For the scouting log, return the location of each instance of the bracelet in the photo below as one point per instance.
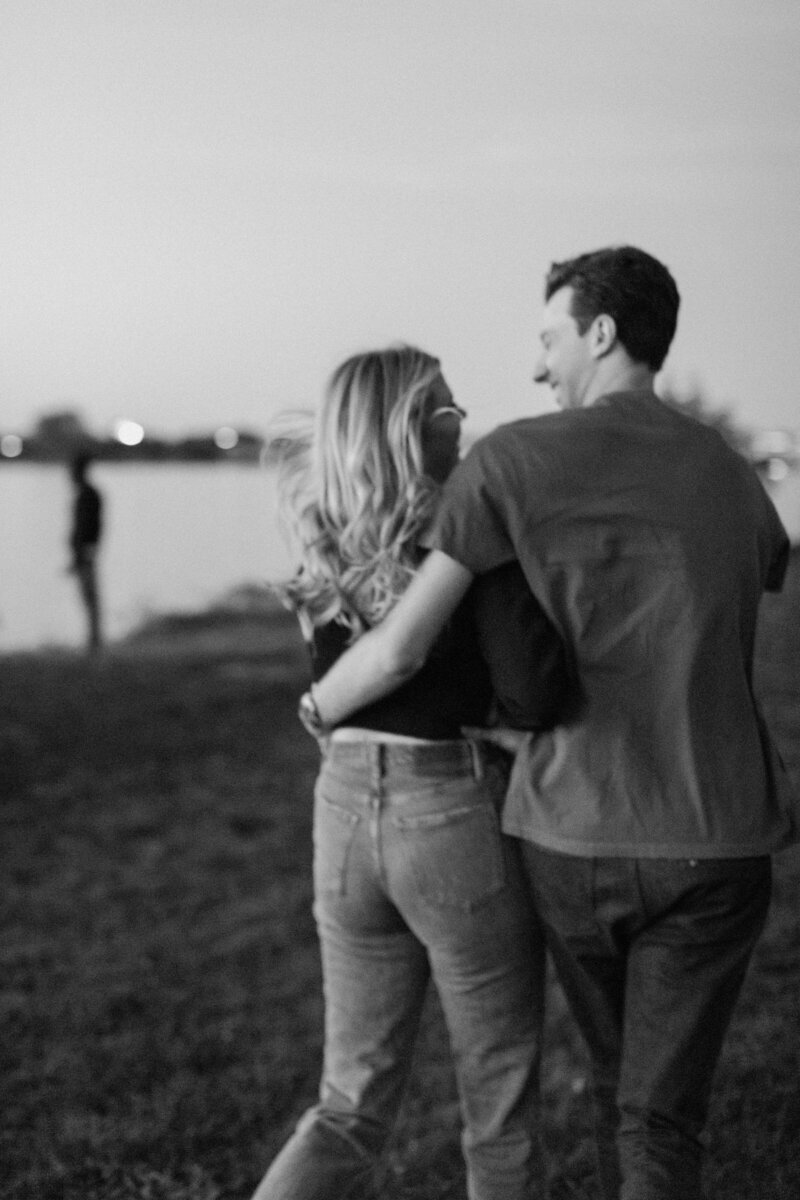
(309, 714)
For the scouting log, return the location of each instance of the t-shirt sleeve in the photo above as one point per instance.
(470, 525)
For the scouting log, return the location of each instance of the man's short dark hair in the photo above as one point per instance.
(632, 287)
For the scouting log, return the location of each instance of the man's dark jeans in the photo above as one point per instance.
(651, 954)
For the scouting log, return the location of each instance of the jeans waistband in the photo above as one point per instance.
(442, 758)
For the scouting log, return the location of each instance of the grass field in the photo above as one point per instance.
(160, 994)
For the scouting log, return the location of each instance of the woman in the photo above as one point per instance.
(412, 876)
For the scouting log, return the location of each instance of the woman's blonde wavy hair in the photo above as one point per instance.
(353, 493)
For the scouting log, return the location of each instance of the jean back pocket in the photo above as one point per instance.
(455, 856)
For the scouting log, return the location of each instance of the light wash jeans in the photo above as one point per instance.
(651, 953)
(414, 879)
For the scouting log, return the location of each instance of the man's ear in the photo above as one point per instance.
(602, 335)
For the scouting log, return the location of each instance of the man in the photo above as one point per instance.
(87, 511)
(649, 815)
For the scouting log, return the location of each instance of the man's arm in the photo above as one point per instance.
(527, 659)
(396, 649)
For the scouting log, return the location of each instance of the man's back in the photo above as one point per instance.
(648, 542)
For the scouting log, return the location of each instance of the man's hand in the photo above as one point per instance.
(498, 735)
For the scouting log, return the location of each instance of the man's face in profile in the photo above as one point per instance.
(565, 361)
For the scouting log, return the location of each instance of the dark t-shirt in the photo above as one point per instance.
(86, 517)
(498, 660)
(648, 543)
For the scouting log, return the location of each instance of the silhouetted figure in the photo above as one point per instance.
(87, 523)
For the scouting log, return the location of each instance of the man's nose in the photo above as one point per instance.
(540, 371)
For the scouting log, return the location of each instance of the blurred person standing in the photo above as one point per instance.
(84, 542)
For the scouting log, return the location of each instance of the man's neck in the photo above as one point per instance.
(618, 376)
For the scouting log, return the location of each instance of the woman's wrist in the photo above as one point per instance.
(309, 714)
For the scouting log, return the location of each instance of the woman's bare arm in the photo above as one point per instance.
(397, 648)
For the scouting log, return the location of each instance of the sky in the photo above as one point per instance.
(207, 204)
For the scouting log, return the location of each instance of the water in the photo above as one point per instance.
(177, 536)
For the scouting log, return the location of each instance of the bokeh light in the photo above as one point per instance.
(130, 433)
(10, 445)
(226, 437)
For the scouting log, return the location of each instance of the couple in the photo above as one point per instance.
(607, 559)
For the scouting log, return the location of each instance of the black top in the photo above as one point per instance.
(498, 660)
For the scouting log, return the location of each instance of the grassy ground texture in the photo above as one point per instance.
(159, 977)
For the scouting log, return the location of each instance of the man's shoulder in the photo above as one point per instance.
(529, 426)
(513, 436)
(541, 441)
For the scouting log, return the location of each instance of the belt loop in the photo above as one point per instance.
(477, 759)
(374, 756)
